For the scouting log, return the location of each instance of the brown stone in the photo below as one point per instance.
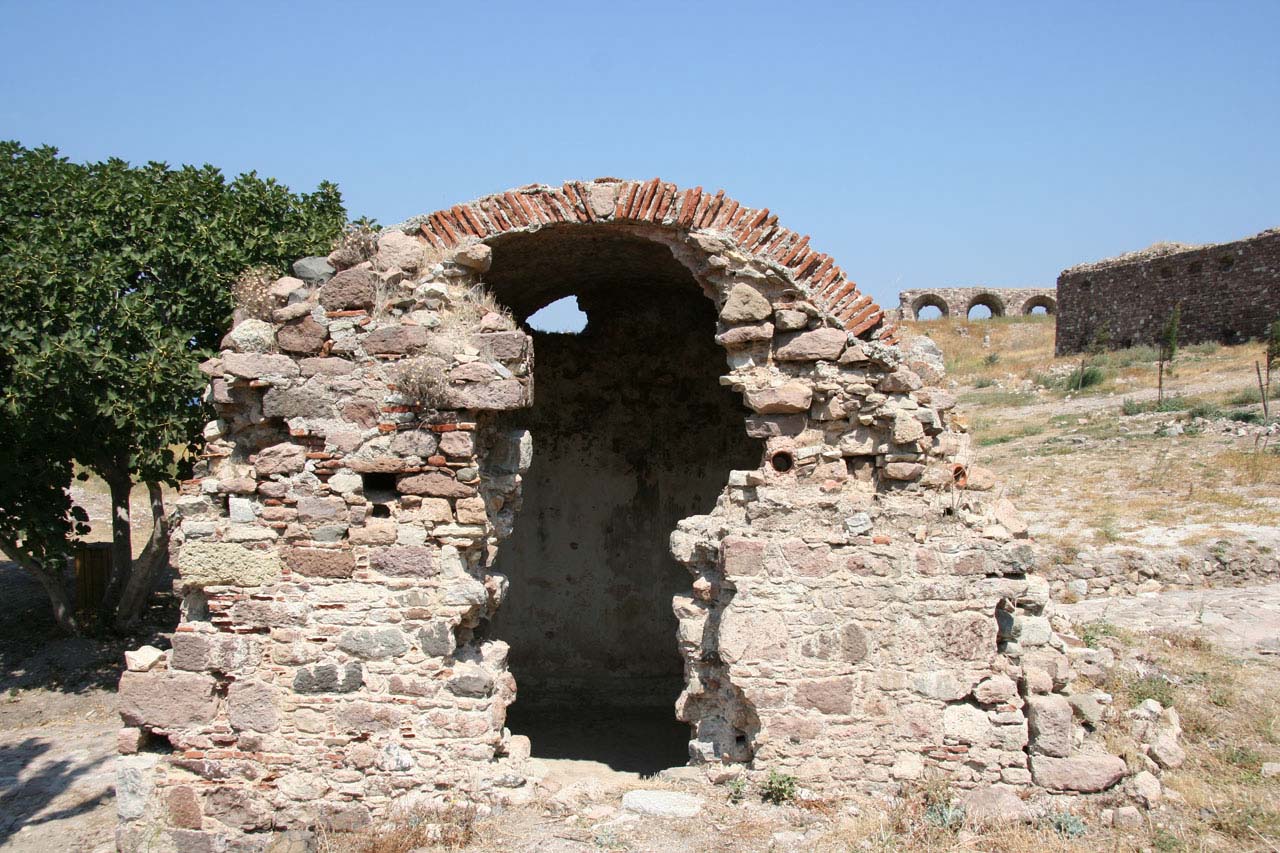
(504, 346)
(326, 366)
(745, 304)
(435, 484)
(902, 471)
(394, 340)
(791, 397)
(1049, 725)
(1086, 774)
(184, 807)
(284, 458)
(302, 336)
(744, 335)
(165, 699)
(406, 561)
(743, 557)
(251, 705)
(502, 395)
(350, 289)
(828, 695)
(320, 562)
(819, 344)
(252, 365)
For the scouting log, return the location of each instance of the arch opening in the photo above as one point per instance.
(984, 306)
(631, 432)
(929, 307)
(1041, 305)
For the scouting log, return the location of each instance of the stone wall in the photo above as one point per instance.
(859, 609)
(957, 301)
(1229, 292)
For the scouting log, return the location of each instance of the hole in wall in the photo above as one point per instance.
(930, 312)
(1166, 272)
(563, 316)
(782, 461)
(631, 432)
(381, 511)
(378, 489)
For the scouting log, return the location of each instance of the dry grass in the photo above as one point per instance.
(357, 243)
(424, 379)
(1230, 710)
(1012, 350)
(251, 292)
(451, 826)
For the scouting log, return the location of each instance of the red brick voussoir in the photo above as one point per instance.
(754, 232)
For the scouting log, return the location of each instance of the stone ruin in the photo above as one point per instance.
(731, 499)
(959, 301)
(1227, 292)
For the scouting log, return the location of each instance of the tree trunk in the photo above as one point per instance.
(1160, 386)
(64, 611)
(155, 555)
(121, 484)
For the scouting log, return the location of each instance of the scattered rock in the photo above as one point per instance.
(662, 803)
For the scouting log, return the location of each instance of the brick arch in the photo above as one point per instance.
(755, 231)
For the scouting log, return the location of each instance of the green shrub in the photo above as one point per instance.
(1244, 416)
(1131, 407)
(1246, 397)
(738, 790)
(991, 359)
(983, 382)
(1085, 378)
(779, 788)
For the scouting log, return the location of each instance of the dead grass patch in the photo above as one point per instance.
(450, 826)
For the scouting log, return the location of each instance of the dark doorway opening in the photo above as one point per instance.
(631, 433)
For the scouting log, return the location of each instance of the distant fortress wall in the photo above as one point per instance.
(1228, 292)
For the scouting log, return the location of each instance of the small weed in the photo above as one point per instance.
(948, 815)
(1247, 822)
(991, 359)
(983, 382)
(1243, 757)
(1131, 407)
(738, 790)
(1165, 841)
(1091, 633)
(1155, 687)
(1066, 824)
(1208, 411)
(1246, 397)
(779, 788)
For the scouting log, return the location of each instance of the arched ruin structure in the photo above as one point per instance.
(958, 301)
(857, 608)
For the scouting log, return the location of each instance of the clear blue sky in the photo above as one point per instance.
(922, 144)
